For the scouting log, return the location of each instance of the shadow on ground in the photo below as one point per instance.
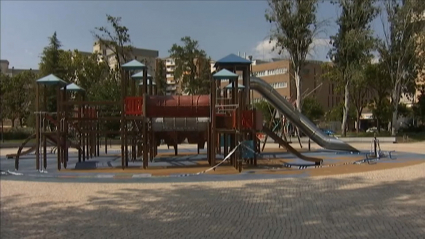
(294, 208)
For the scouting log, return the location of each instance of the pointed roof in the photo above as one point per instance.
(239, 86)
(225, 74)
(51, 80)
(133, 65)
(73, 87)
(149, 82)
(139, 76)
(233, 59)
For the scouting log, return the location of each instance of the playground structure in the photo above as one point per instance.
(224, 119)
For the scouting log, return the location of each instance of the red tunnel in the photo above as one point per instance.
(178, 106)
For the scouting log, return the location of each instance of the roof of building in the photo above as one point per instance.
(138, 51)
(233, 59)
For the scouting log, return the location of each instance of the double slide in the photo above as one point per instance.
(299, 120)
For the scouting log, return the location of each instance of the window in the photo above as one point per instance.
(279, 85)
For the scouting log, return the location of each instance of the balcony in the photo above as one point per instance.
(171, 82)
(170, 63)
(171, 88)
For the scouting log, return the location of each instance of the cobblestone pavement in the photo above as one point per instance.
(379, 204)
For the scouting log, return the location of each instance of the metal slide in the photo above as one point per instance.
(288, 147)
(302, 122)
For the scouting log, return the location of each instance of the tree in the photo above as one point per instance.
(191, 71)
(87, 70)
(51, 64)
(419, 107)
(18, 96)
(377, 82)
(312, 109)
(352, 45)
(4, 85)
(117, 40)
(336, 113)
(294, 26)
(381, 112)
(265, 108)
(358, 94)
(398, 49)
(161, 77)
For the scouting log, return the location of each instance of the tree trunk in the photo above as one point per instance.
(345, 109)
(13, 122)
(298, 85)
(395, 99)
(394, 122)
(378, 125)
(21, 122)
(358, 122)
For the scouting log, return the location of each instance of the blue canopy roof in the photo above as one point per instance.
(239, 86)
(133, 65)
(73, 87)
(139, 76)
(233, 59)
(51, 80)
(225, 74)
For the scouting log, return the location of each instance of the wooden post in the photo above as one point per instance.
(145, 119)
(37, 127)
(123, 87)
(58, 131)
(213, 123)
(65, 127)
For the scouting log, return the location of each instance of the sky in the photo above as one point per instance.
(220, 27)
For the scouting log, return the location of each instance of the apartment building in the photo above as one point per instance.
(174, 85)
(146, 56)
(279, 74)
(4, 68)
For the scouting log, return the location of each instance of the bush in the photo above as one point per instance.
(18, 133)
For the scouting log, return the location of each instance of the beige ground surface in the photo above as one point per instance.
(379, 204)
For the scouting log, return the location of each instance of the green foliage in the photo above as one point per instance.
(161, 77)
(312, 109)
(4, 81)
(419, 107)
(193, 68)
(352, 46)
(294, 26)
(265, 108)
(50, 63)
(18, 133)
(18, 95)
(381, 111)
(336, 113)
(117, 40)
(398, 48)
